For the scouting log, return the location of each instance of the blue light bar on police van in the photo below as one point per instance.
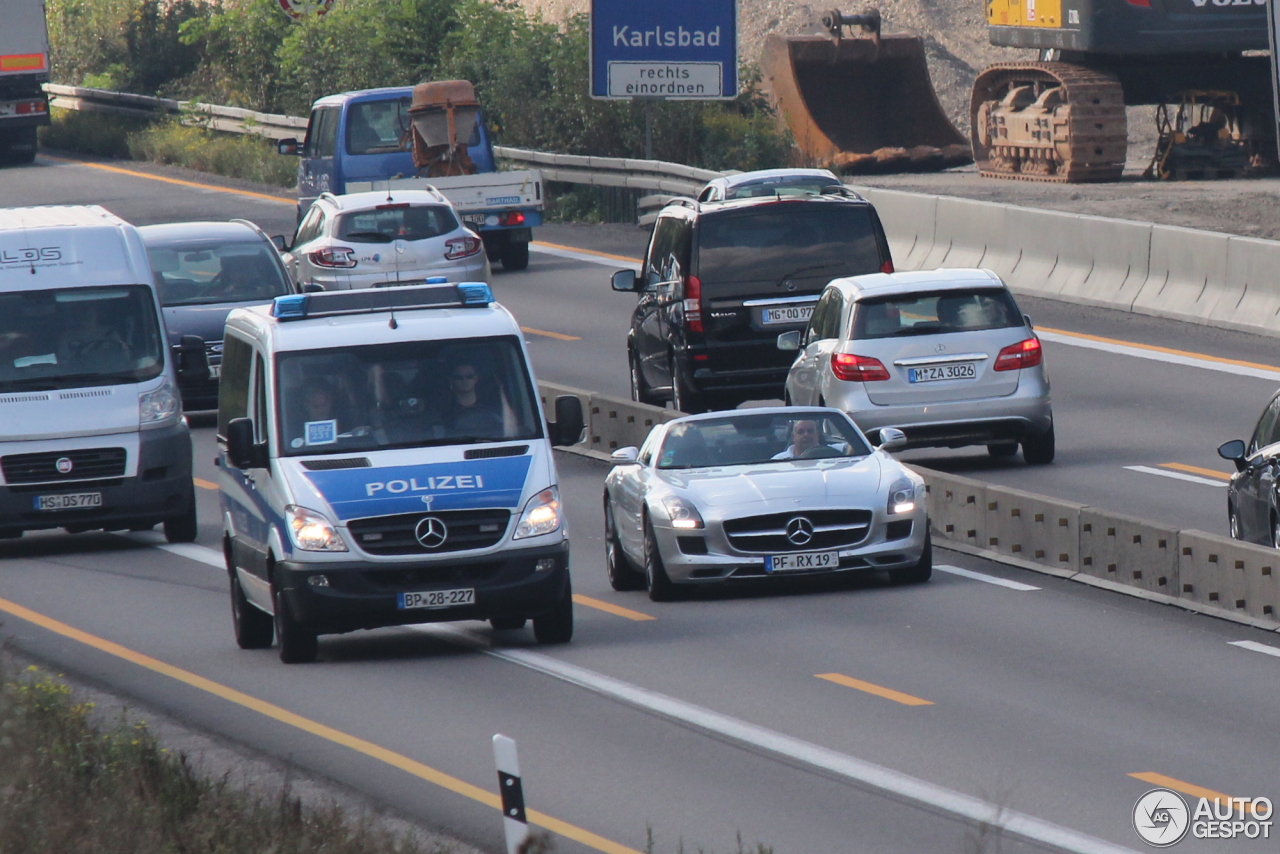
(370, 300)
(437, 280)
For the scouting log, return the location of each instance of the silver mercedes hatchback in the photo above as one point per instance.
(945, 356)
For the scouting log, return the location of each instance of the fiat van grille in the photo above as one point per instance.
(767, 534)
(463, 530)
(84, 464)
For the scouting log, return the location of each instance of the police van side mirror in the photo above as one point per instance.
(625, 280)
(242, 453)
(569, 423)
(289, 145)
(193, 361)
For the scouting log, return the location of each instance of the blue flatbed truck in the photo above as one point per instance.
(360, 141)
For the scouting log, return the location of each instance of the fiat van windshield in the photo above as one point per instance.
(404, 395)
(75, 337)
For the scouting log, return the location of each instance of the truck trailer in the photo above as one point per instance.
(24, 68)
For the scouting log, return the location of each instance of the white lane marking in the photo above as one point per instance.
(1157, 356)
(1254, 646)
(191, 551)
(858, 770)
(978, 576)
(583, 256)
(1177, 475)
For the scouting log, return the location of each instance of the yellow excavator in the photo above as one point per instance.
(1063, 119)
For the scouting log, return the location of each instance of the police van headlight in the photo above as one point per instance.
(163, 404)
(541, 515)
(312, 532)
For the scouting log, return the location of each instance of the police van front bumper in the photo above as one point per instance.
(331, 598)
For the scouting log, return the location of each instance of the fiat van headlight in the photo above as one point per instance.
(312, 531)
(162, 404)
(541, 515)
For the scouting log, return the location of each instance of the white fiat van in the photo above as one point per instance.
(385, 460)
(91, 428)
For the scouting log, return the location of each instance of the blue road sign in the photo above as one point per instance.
(666, 49)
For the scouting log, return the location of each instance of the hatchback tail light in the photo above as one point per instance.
(338, 256)
(462, 247)
(693, 303)
(851, 368)
(1024, 354)
(887, 266)
(512, 218)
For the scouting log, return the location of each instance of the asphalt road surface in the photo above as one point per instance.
(812, 718)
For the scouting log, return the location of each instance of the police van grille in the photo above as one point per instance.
(394, 535)
(86, 464)
(330, 465)
(767, 534)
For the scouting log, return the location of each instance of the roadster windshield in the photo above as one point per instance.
(751, 439)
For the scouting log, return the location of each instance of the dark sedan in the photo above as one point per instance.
(1253, 497)
(202, 271)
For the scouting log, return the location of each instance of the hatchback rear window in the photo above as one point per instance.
(772, 243)
(935, 312)
(396, 222)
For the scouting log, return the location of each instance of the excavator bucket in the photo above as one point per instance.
(862, 105)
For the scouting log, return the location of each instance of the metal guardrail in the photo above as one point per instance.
(651, 175)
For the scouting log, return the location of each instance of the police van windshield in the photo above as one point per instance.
(76, 337)
(404, 395)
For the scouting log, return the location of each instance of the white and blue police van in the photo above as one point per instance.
(385, 460)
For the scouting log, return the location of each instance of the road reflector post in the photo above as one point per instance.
(514, 822)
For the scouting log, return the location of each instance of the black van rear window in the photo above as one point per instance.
(774, 242)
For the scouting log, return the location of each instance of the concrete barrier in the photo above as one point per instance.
(957, 507)
(963, 231)
(616, 423)
(1129, 551)
(1035, 242)
(1252, 293)
(1223, 573)
(1033, 527)
(1109, 263)
(1188, 274)
(913, 217)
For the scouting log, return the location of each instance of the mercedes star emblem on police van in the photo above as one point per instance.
(431, 532)
(800, 531)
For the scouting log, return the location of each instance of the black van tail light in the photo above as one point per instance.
(1024, 354)
(887, 266)
(693, 303)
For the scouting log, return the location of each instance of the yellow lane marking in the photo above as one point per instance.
(368, 748)
(563, 248)
(610, 608)
(879, 691)
(1179, 786)
(167, 180)
(1220, 475)
(1167, 350)
(204, 484)
(559, 336)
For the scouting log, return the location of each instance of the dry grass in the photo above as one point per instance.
(69, 785)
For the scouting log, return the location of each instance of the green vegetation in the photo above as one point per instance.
(530, 75)
(69, 785)
(244, 156)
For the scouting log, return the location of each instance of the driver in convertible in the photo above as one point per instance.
(804, 438)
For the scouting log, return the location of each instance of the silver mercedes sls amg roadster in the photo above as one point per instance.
(762, 493)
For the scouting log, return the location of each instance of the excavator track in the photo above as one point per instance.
(1048, 121)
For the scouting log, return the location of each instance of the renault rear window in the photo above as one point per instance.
(776, 242)
(918, 313)
(396, 222)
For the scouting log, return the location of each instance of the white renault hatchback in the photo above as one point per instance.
(367, 240)
(945, 356)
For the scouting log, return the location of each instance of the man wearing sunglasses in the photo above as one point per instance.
(805, 436)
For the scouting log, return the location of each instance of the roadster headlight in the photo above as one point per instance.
(541, 515)
(312, 531)
(902, 496)
(681, 512)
